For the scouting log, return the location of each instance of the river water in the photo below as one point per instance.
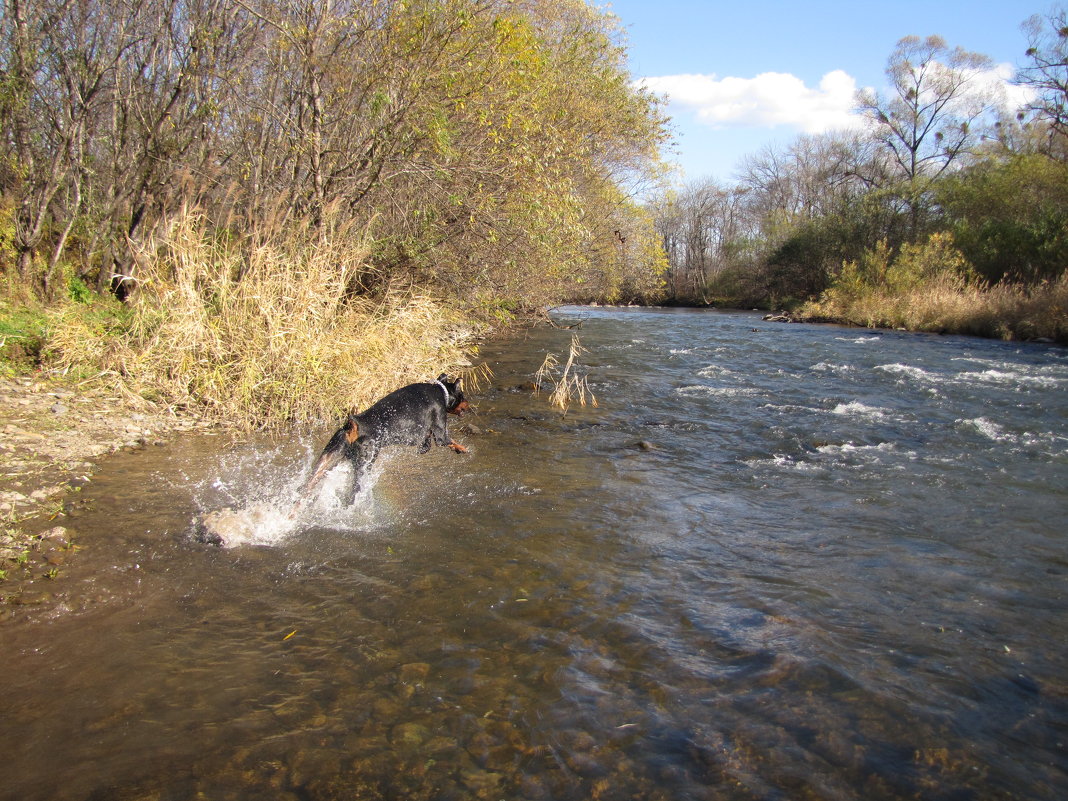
(773, 562)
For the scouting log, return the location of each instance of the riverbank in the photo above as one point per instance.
(944, 302)
(109, 376)
(54, 434)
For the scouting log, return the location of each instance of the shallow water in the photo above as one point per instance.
(773, 562)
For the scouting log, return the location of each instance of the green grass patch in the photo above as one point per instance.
(23, 338)
(28, 331)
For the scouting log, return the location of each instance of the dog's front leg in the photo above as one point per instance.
(440, 435)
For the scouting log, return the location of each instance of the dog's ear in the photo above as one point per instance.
(352, 431)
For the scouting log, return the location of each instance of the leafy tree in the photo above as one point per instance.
(489, 149)
(1009, 216)
(706, 229)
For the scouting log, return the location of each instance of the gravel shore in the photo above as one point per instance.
(53, 434)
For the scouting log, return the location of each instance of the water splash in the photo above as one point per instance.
(254, 498)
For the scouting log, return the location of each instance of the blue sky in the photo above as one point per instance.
(764, 71)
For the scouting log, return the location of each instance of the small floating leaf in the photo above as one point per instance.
(289, 635)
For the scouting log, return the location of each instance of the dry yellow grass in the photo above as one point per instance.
(277, 334)
(930, 286)
(945, 305)
(568, 384)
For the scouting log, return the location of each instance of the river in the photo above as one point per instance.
(773, 562)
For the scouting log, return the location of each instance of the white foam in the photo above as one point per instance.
(713, 371)
(1049, 443)
(988, 428)
(781, 461)
(908, 371)
(859, 340)
(792, 408)
(849, 448)
(848, 455)
(256, 524)
(885, 456)
(1046, 368)
(729, 392)
(1004, 377)
(857, 409)
(252, 497)
(838, 369)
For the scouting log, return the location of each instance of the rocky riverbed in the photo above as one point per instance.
(53, 433)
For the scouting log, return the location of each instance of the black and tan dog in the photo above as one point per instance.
(411, 415)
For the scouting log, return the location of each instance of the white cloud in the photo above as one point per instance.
(983, 89)
(768, 100)
(774, 99)
(999, 82)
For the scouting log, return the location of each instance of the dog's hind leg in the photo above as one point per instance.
(336, 450)
(363, 457)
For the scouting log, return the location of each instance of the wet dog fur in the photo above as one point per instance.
(415, 415)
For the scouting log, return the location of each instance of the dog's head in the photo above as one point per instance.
(456, 403)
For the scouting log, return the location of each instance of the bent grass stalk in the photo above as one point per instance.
(568, 385)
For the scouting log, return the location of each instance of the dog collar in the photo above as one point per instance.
(444, 389)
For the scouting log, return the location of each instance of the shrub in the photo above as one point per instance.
(932, 287)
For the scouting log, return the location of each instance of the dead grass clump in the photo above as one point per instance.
(941, 305)
(568, 384)
(930, 286)
(276, 334)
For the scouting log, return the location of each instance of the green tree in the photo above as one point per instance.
(1009, 216)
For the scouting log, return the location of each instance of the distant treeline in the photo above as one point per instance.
(487, 151)
(943, 188)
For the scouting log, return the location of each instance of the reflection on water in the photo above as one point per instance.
(775, 562)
